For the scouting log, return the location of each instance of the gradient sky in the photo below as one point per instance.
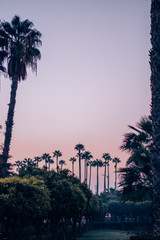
(92, 80)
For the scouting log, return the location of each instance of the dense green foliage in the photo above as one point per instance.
(128, 211)
(58, 198)
(22, 201)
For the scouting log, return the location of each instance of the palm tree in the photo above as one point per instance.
(79, 147)
(19, 165)
(50, 161)
(20, 42)
(155, 106)
(97, 163)
(116, 161)
(73, 160)
(57, 154)
(62, 162)
(29, 162)
(136, 177)
(90, 167)
(37, 160)
(107, 158)
(45, 157)
(86, 156)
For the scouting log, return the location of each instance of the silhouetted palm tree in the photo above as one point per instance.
(86, 156)
(45, 157)
(97, 163)
(136, 177)
(37, 160)
(19, 165)
(29, 162)
(107, 158)
(50, 161)
(90, 172)
(116, 161)
(62, 162)
(73, 160)
(20, 41)
(79, 147)
(57, 154)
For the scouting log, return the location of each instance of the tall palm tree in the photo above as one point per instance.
(97, 163)
(73, 160)
(45, 157)
(155, 106)
(79, 147)
(90, 172)
(62, 162)
(50, 161)
(116, 161)
(86, 156)
(20, 41)
(37, 160)
(57, 154)
(107, 158)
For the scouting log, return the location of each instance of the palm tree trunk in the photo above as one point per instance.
(46, 163)
(73, 168)
(97, 180)
(9, 127)
(79, 166)
(155, 92)
(105, 177)
(87, 172)
(90, 177)
(115, 176)
(57, 163)
(108, 176)
(49, 163)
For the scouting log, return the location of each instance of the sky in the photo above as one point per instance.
(92, 81)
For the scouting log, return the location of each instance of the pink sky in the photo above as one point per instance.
(92, 80)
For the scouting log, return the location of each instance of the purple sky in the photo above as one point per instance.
(92, 80)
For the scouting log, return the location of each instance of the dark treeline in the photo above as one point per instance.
(55, 158)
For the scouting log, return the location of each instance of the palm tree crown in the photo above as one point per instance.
(45, 157)
(116, 161)
(62, 162)
(73, 160)
(136, 177)
(57, 154)
(107, 158)
(97, 163)
(86, 156)
(79, 147)
(37, 160)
